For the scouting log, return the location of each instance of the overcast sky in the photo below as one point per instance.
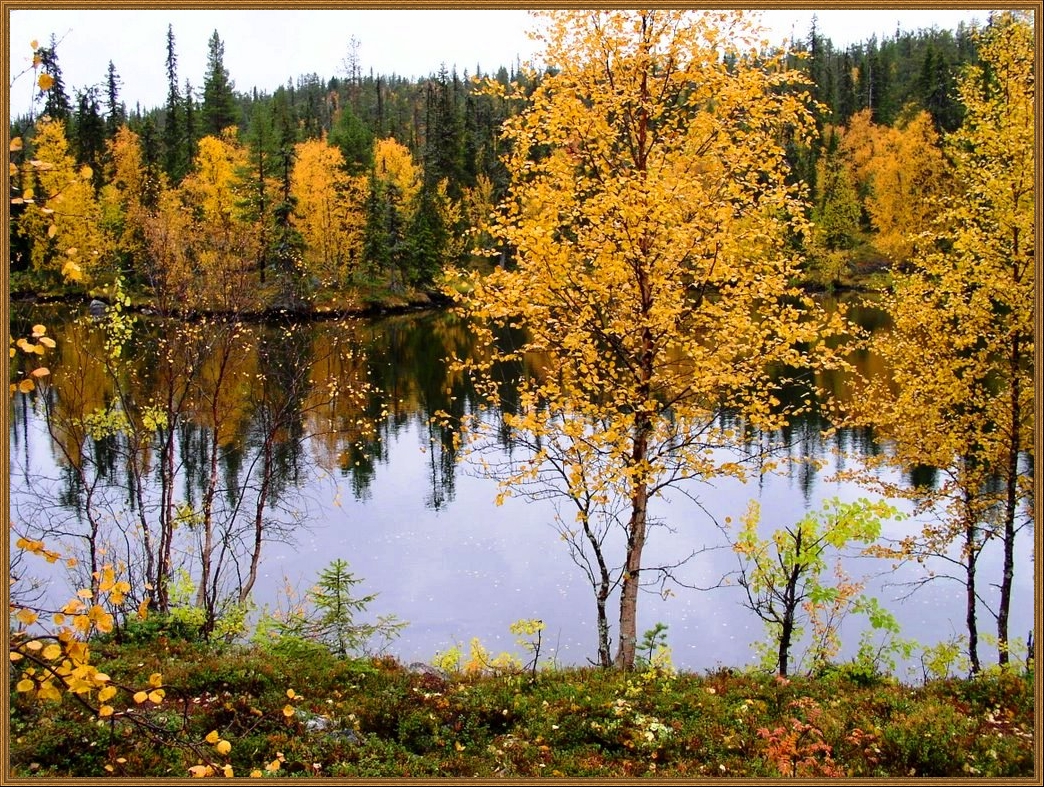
(264, 49)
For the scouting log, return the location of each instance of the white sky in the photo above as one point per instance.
(265, 48)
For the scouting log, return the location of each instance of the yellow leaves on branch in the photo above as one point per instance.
(56, 659)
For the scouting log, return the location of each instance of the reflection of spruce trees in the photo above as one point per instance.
(405, 358)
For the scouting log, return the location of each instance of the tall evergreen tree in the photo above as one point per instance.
(260, 139)
(174, 155)
(219, 100)
(89, 133)
(151, 161)
(56, 100)
(116, 113)
(287, 244)
(427, 238)
(354, 139)
(443, 148)
(191, 125)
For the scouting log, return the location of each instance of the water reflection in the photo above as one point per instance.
(274, 448)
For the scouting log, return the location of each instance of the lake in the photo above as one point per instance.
(341, 413)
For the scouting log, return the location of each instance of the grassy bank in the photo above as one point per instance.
(272, 712)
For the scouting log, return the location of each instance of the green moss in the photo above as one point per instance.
(373, 718)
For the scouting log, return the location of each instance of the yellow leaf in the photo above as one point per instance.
(199, 771)
(25, 685)
(52, 230)
(16, 144)
(34, 646)
(26, 386)
(107, 693)
(156, 680)
(52, 651)
(143, 609)
(34, 44)
(48, 342)
(86, 173)
(227, 771)
(102, 619)
(256, 774)
(84, 593)
(41, 371)
(272, 766)
(108, 579)
(140, 696)
(105, 710)
(288, 711)
(15, 656)
(72, 272)
(45, 81)
(291, 693)
(223, 747)
(12, 170)
(156, 696)
(212, 737)
(72, 251)
(26, 617)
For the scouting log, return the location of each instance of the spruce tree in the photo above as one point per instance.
(56, 101)
(116, 114)
(219, 101)
(191, 126)
(174, 156)
(89, 133)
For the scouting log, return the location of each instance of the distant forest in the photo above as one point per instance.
(376, 183)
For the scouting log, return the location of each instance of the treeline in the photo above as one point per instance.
(374, 184)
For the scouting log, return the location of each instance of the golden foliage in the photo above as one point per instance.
(328, 213)
(649, 213)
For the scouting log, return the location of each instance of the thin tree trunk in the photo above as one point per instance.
(629, 592)
(1010, 504)
(972, 619)
(602, 589)
(790, 603)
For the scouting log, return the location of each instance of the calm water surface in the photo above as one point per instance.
(370, 479)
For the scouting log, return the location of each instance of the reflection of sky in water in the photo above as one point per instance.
(472, 568)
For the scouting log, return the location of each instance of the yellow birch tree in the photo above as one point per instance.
(329, 210)
(909, 177)
(649, 215)
(959, 398)
(62, 218)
